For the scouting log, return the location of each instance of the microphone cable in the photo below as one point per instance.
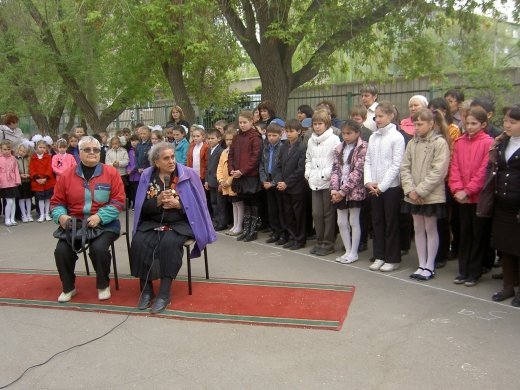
(159, 237)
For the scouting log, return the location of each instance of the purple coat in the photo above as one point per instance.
(353, 187)
(193, 198)
(131, 168)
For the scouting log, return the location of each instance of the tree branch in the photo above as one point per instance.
(348, 32)
(246, 36)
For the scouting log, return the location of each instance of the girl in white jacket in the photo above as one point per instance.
(382, 163)
(318, 169)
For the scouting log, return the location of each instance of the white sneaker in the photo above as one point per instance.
(376, 265)
(388, 267)
(30, 218)
(25, 219)
(65, 297)
(104, 293)
(48, 217)
(342, 259)
(350, 259)
(41, 219)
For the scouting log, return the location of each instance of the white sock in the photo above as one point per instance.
(13, 210)
(9, 203)
(432, 237)
(344, 230)
(420, 240)
(240, 216)
(356, 230)
(21, 204)
(41, 207)
(28, 206)
(47, 206)
(235, 218)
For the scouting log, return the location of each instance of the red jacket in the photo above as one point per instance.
(40, 169)
(203, 158)
(468, 164)
(245, 152)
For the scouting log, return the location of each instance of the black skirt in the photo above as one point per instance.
(428, 210)
(156, 254)
(11, 192)
(43, 195)
(506, 228)
(349, 204)
(25, 190)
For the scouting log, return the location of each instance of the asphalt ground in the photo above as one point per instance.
(399, 333)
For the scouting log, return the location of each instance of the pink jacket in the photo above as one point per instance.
(62, 162)
(468, 164)
(9, 174)
(353, 187)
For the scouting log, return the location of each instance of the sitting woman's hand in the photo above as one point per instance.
(93, 221)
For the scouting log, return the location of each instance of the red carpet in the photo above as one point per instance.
(259, 302)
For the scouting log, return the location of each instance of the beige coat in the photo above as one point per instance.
(424, 167)
(223, 173)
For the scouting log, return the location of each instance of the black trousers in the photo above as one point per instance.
(364, 221)
(294, 209)
(99, 253)
(275, 211)
(473, 243)
(385, 224)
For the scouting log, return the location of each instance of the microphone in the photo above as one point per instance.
(166, 182)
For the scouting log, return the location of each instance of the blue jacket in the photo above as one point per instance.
(181, 151)
(193, 198)
(141, 154)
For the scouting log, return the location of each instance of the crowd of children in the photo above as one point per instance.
(313, 177)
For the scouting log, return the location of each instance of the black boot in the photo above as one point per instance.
(256, 222)
(246, 224)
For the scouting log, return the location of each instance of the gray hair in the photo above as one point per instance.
(369, 88)
(87, 139)
(157, 149)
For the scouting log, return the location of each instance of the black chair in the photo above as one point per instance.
(113, 249)
(187, 246)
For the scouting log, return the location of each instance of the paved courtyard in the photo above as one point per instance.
(399, 333)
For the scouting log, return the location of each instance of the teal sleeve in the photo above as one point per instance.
(107, 214)
(57, 212)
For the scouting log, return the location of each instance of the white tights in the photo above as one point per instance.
(238, 216)
(44, 206)
(10, 210)
(426, 241)
(25, 206)
(348, 220)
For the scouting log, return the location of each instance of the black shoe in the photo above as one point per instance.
(314, 250)
(502, 295)
(497, 276)
(145, 301)
(219, 228)
(272, 239)
(296, 246)
(324, 251)
(160, 304)
(362, 247)
(311, 237)
(288, 244)
(440, 264)
(516, 301)
(282, 241)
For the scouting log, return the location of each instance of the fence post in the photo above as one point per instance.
(349, 102)
(137, 115)
(166, 114)
(430, 93)
(117, 124)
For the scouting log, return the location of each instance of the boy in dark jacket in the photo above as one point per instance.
(268, 171)
(292, 185)
(213, 139)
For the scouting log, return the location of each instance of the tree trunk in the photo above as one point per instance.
(173, 73)
(275, 85)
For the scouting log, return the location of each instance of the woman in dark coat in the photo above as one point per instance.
(506, 213)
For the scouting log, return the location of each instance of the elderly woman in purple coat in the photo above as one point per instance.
(170, 208)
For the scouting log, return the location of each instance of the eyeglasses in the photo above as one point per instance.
(91, 150)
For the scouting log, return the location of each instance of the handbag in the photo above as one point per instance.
(77, 234)
(486, 202)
